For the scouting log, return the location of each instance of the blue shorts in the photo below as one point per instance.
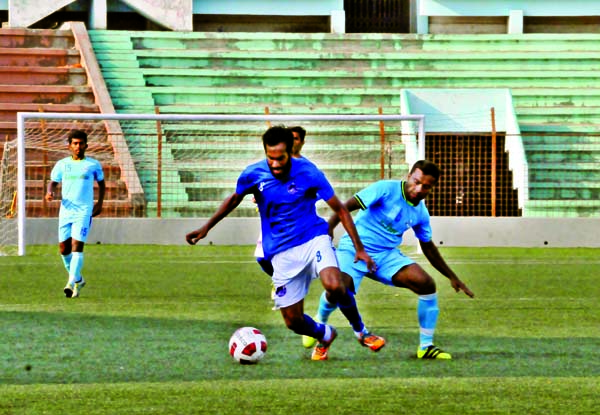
(388, 264)
(77, 228)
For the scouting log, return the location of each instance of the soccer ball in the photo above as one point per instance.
(247, 345)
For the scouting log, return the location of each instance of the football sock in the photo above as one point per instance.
(427, 312)
(75, 268)
(328, 333)
(313, 329)
(66, 259)
(358, 334)
(325, 308)
(350, 311)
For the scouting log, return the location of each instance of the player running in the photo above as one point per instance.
(77, 174)
(299, 134)
(295, 238)
(388, 209)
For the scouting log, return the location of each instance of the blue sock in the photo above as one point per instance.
(427, 312)
(325, 308)
(75, 268)
(350, 311)
(66, 259)
(313, 329)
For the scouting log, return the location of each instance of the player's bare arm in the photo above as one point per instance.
(52, 186)
(225, 209)
(435, 259)
(98, 205)
(351, 205)
(344, 216)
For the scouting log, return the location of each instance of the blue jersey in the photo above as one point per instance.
(385, 215)
(287, 207)
(77, 178)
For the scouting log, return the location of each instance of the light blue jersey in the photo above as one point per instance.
(385, 215)
(287, 207)
(77, 178)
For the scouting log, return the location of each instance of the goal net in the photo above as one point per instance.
(8, 198)
(183, 166)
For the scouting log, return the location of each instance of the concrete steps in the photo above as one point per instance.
(554, 79)
(42, 71)
(7, 110)
(42, 75)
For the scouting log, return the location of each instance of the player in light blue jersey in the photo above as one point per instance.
(77, 174)
(388, 208)
(295, 239)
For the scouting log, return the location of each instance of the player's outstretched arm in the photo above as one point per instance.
(226, 207)
(435, 259)
(344, 216)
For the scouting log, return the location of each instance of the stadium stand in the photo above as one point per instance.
(553, 78)
(42, 71)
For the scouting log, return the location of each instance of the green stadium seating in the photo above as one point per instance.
(554, 80)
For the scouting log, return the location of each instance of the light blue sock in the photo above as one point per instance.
(76, 266)
(325, 308)
(427, 312)
(66, 259)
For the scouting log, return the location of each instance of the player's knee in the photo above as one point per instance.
(348, 282)
(336, 293)
(425, 286)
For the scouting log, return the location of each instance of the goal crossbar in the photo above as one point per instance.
(22, 117)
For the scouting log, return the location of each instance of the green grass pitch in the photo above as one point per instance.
(149, 336)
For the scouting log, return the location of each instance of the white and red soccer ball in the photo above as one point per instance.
(247, 345)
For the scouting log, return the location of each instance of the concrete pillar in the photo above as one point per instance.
(515, 22)
(98, 15)
(24, 13)
(338, 21)
(173, 14)
(421, 21)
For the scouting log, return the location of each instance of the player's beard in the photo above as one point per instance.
(282, 172)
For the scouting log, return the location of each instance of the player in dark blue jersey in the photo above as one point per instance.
(388, 208)
(299, 134)
(295, 239)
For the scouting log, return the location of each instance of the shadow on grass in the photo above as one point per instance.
(57, 347)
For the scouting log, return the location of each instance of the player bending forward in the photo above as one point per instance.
(77, 174)
(295, 238)
(388, 209)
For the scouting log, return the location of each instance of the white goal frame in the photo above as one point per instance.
(414, 152)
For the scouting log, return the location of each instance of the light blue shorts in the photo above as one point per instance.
(388, 264)
(77, 228)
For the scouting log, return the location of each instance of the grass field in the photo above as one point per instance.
(149, 336)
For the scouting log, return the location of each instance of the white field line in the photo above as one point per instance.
(420, 260)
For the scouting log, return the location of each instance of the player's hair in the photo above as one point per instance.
(278, 134)
(301, 131)
(82, 135)
(428, 168)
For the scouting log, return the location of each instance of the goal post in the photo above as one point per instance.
(179, 165)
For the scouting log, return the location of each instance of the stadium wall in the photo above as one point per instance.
(447, 231)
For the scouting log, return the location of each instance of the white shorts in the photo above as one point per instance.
(296, 267)
(258, 251)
